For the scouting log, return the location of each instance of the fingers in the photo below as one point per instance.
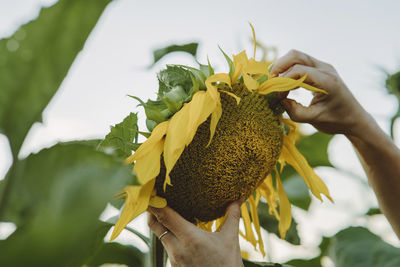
(170, 219)
(291, 58)
(231, 225)
(169, 240)
(298, 112)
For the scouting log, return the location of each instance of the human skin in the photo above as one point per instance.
(190, 246)
(338, 112)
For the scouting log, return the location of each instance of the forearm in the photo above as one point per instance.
(381, 161)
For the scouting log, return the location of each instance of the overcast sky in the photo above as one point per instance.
(357, 37)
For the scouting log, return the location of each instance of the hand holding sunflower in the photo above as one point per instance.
(337, 112)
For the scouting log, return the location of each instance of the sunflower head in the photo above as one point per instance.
(216, 138)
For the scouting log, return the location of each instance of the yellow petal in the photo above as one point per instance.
(250, 83)
(283, 84)
(176, 138)
(267, 191)
(215, 116)
(157, 202)
(207, 226)
(285, 209)
(247, 225)
(254, 40)
(293, 157)
(158, 133)
(232, 95)
(147, 167)
(256, 222)
(213, 89)
(254, 67)
(239, 61)
(137, 200)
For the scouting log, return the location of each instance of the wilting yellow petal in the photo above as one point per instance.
(247, 225)
(293, 157)
(285, 209)
(254, 40)
(250, 83)
(207, 226)
(245, 254)
(176, 138)
(256, 221)
(137, 200)
(232, 95)
(267, 191)
(254, 67)
(158, 133)
(213, 89)
(215, 116)
(157, 202)
(283, 84)
(147, 167)
(239, 61)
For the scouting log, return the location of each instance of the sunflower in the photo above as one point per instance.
(217, 138)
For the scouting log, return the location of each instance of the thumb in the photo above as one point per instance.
(231, 225)
(297, 112)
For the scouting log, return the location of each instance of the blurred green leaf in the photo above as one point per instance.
(190, 48)
(115, 253)
(315, 149)
(35, 60)
(269, 223)
(120, 141)
(314, 262)
(297, 191)
(356, 246)
(373, 211)
(393, 87)
(248, 263)
(57, 198)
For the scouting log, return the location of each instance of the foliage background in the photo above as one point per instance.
(358, 38)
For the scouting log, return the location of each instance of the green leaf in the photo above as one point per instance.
(118, 254)
(57, 198)
(190, 48)
(270, 224)
(248, 263)
(315, 149)
(358, 247)
(122, 137)
(373, 211)
(35, 60)
(297, 191)
(314, 262)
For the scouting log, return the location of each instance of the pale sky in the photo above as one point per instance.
(357, 37)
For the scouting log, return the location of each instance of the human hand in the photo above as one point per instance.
(188, 245)
(338, 112)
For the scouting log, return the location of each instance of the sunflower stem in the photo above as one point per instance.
(156, 252)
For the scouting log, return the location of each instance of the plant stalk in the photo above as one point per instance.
(156, 252)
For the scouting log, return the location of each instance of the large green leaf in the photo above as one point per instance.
(269, 223)
(358, 247)
(122, 137)
(314, 262)
(315, 149)
(118, 254)
(57, 198)
(35, 60)
(248, 263)
(297, 191)
(190, 48)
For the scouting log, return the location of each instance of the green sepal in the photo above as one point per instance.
(206, 69)
(200, 75)
(155, 110)
(174, 75)
(120, 141)
(230, 63)
(150, 125)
